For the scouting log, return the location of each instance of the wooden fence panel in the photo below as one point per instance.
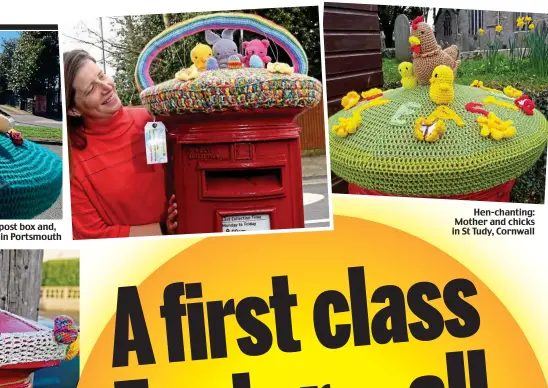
(312, 123)
(20, 278)
(352, 42)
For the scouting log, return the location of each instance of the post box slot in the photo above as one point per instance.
(258, 182)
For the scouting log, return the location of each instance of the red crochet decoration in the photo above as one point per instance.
(474, 108)
(415, 23)
(525, 104)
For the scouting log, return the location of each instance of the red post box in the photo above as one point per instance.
(25, 347)
(233, 141)
(236, 171)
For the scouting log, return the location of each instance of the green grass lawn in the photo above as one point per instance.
(40, 133)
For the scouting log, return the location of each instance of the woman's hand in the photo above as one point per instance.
(171, 220)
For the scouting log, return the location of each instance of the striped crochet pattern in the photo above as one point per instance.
(30, 179)
(217, 21)
(390, 159)
(232, 89)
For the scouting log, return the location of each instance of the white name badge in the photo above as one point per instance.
(156, 143)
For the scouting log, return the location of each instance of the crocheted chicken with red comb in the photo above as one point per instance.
(427, 54)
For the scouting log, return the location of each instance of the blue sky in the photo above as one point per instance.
(5, 35)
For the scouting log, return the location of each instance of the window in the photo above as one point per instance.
(475, 21)
(447, 31)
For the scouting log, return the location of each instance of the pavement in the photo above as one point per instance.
(55, 212)
(316, 192)
(25, 118)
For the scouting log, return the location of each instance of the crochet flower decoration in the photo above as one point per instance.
(350, 100)
(493, 100)
(429, 130)
(495, 127)
(372, 93)
(187, 74)
(525, 104)
(348, 125)
(512, 92)
(279, 67)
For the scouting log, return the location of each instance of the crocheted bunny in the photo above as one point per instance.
(256, 47)
(223, 47)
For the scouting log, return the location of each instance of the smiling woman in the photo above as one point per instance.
(114, 192)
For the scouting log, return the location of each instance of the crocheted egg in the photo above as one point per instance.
(256, 62)
(64, 330)
(234, 62)
(212, 64)
(6, 123)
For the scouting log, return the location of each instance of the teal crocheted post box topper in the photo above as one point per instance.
(31, 177)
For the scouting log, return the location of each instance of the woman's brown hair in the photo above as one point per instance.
(73, 61)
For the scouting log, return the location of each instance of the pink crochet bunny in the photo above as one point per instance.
(256, 47)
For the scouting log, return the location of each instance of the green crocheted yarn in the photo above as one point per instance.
(30, 179)
(232, 89)
(389, 158)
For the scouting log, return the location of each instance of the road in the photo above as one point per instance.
(316, 201)
(55, 212)
(36, 121)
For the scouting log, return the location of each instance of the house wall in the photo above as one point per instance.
(491, 19)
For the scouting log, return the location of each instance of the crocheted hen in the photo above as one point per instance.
(427, 54)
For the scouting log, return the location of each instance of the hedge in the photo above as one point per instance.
(63, 273)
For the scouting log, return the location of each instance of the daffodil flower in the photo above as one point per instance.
(528, 19)
(520, 22)
(498, 28)
(481, 31)
(495, 127)
(350, 100)
(531, 26)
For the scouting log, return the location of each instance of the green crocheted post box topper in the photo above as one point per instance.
(30, 179)
(232, 89)
(385, 155)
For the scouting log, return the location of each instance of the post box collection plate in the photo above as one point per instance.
(246, 223)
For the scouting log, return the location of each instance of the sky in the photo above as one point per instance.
(50, 254)
(6, 35)
(82, 33)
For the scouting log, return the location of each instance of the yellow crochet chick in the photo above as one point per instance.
(408, 79)
(199, 56)
(441, 85)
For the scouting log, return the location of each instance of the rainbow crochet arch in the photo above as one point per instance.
(248, 22)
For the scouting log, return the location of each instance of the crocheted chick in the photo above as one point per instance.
(187, 74)
(199, 55)
(427, 54)
(495, 127)
(6, 123)
(408, 79)
(441, 85)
